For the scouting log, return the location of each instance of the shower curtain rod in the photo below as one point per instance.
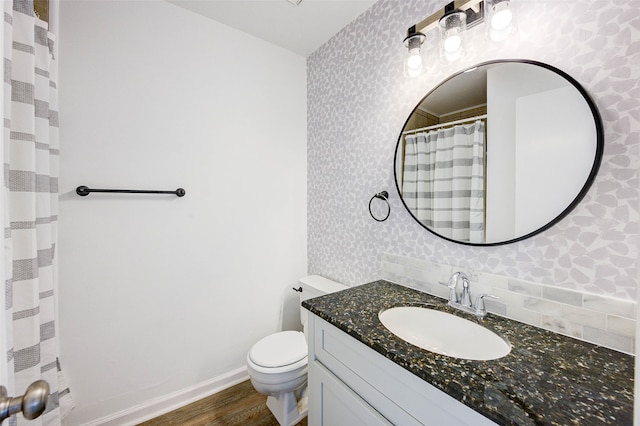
(450, 123)
(83, 191)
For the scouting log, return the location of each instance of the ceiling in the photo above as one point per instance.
(301, 29)
(467, 90)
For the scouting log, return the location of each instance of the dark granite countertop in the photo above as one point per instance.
(546, 379)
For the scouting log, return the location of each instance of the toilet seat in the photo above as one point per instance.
(279, 350)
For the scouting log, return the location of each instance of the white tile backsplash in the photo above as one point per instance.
(612, 306)
(525, 288)
(563, 296)
(622, 326)
(593, 318)
(609, 339)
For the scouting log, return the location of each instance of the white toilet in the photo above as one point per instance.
(277, 364)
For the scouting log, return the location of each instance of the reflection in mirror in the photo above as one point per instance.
(498, 152)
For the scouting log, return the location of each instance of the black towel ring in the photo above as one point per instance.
(384, 195)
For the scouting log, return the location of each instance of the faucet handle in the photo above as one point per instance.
(481, 311)
(465, 297)
(453, 281)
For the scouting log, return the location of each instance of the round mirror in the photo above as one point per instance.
(498, 153)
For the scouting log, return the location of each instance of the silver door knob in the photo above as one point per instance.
(32, 404)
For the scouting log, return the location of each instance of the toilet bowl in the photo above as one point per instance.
(277, 363)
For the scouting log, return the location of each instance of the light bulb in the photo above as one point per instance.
(415, 60)
(501, 20)
(452, 43)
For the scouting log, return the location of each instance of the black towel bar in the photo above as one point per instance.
(83, 191)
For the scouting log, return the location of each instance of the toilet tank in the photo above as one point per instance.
(314, 286)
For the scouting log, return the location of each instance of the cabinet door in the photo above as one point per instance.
(334, 404)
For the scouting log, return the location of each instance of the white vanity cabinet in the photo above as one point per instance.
(351, 384)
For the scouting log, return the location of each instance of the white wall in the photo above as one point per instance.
(158, 293)
(554, 154)
(518, 156)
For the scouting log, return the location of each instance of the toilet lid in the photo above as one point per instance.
(279, 349)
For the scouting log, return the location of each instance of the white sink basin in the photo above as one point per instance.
(444, 333)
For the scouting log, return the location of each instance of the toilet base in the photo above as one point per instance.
(289, 408)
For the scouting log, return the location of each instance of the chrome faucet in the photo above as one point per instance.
(464, 301)
(465, 297)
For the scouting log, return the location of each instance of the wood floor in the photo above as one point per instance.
(238, 405)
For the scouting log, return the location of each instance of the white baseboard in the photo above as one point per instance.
(162, 405)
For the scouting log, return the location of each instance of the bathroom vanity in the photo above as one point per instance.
(361, 373)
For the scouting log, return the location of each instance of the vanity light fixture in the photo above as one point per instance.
(453, 21)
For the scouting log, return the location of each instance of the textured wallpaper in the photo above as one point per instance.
(359, 98)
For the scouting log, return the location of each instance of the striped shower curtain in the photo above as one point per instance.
(443, 181)
(30, 201)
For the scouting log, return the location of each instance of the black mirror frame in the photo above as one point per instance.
(585, 188)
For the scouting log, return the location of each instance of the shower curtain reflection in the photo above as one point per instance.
(443, 180)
